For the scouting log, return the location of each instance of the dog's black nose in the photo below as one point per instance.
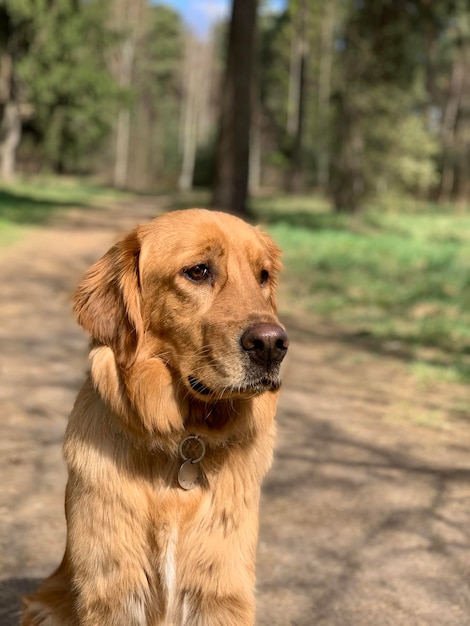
(265, 343)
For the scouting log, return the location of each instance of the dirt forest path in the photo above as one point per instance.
(365, 517)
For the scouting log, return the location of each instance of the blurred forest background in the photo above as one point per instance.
(343, 125)
(351, 98)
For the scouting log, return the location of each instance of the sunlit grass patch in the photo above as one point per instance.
(9, 233)
(390, 276)
(34, 201)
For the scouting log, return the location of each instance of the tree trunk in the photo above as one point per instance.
(127, 17)
(254, 182)
(293, 94)
(254, 176)
(230, 188)
(10, 126)
(324, 94)
(348, 180)
(11, 135)
(449, 123)
(296, 106)
(189, 119)
(296, 177)
(462, 136)
(123, 125)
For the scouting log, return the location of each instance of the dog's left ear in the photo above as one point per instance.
(107, 300)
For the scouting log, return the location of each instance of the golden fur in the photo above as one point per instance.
(167, 309)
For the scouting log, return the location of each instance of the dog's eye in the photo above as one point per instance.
(264, 278)
(198, 273)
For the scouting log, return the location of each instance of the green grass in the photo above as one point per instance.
(401, 280)
(31, 202)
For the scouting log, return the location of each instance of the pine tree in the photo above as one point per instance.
(230, 189)
(66, 79)
(57, 74)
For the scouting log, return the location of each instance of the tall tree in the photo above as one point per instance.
(15, 40)
(65, 79)
(154, 156)
(289, 77)
(230, 186)
(196, 77)
(453, 50)
(324, 93)
(127, 18)
(298, 95)
(378, 91)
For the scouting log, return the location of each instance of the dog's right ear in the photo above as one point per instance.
(107, 300)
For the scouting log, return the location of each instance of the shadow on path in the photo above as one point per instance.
(11, 592)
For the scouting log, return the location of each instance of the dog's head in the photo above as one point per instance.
(195, 290)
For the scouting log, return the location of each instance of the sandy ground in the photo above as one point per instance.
(365, 516)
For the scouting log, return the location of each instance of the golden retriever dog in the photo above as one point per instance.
(173, 430)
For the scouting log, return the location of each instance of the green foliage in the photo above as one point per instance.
(158, 86)
(383, 138)
(65, 77)
(278, 34)
(159, 69)
(379, 134)
(399, 150)
(411, 165)
(274, 52)
(400, 280)
(384, 116)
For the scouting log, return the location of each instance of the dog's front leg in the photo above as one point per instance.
(109, 558)
(215, 568)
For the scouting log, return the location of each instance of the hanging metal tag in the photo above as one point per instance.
(190, 475)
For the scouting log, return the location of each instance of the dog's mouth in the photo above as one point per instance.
(250, 388)
(199, 387)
